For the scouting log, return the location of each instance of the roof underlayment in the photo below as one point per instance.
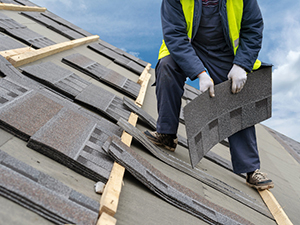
(66, 98)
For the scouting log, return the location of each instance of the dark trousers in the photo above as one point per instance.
(170, 80)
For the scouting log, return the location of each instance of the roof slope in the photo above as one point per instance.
(58, 113)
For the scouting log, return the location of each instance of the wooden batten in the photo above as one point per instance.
(110, 197)
(31, 56)
(13, 7)
(274, 207)
(10, 53)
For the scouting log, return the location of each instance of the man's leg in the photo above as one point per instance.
(243, 149)
(245, 158)
(170, 81)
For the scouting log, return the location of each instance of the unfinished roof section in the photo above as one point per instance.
(66, 98)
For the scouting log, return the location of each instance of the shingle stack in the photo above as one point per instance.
(43, 194)
(23, 33)
(78, 89)
(103, 74)
(119, 56)
(168, 189)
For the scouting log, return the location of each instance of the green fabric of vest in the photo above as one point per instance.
(234, 16)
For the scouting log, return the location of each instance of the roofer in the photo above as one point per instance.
(212, 40)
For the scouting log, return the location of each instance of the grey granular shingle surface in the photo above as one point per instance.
(82, 91)
(119, 56)
(22, 33)
(143, 115)
(28, 113)
(7, 43)
(225, 114)
(43, 194)
(55, 126)
(75, 141)
(195, 173)
(171, 191)
(66, 23)
(53, 25)
(103, 74)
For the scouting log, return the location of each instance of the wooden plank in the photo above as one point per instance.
(140, 99)
(127, 138)
(106, 219)
(31, 56)
(9, 53)
(274, 207)
(110, 197)
(13, 7)
(144, 73)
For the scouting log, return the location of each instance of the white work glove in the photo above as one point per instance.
(238, 76)
(205, 82)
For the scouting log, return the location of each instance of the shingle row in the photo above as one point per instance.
(54, 125)
(7, 43)
(168, 189)
(193, 172)
(53, 25)
(119, 56)
(78, 89)
(149, 120)
(22, 33)
(43, 194)
(103, 74)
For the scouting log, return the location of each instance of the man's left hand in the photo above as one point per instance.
(238, 76)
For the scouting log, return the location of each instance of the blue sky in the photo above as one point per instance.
(134, 26)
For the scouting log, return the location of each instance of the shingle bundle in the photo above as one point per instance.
(103, 74)
(44, 195)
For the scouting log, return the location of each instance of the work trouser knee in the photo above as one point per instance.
(170, 80)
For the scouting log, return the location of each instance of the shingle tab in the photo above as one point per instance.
(51, 24)
(193, 172)
(169, 190)
(65, 138)
(7, 43)
(210, 120)
(118, 56)
(103, 74)
(45, 195)
(22, 33)
(28, 114)
(82, 91)
(66, 23)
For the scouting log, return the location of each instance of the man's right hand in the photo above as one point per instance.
(205, 82)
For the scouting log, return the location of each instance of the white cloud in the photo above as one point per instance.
(281, 47)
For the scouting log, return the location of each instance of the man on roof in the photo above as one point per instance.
(212, 40)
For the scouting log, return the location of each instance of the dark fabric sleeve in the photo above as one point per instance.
(176, 39)
(250, 36)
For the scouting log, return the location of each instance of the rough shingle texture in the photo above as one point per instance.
(53, 25)
(119, 56)
(210, 120)
(43, 194)
(195, 173)
(22, 33)
(103, 74)
(78, 89)
(54, 125)
(168, 189)
(7, 43)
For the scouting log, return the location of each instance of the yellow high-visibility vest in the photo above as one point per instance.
(234, 16)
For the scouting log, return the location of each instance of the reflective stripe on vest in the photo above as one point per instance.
(234, 16)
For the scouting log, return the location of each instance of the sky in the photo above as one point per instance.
(135, 27)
